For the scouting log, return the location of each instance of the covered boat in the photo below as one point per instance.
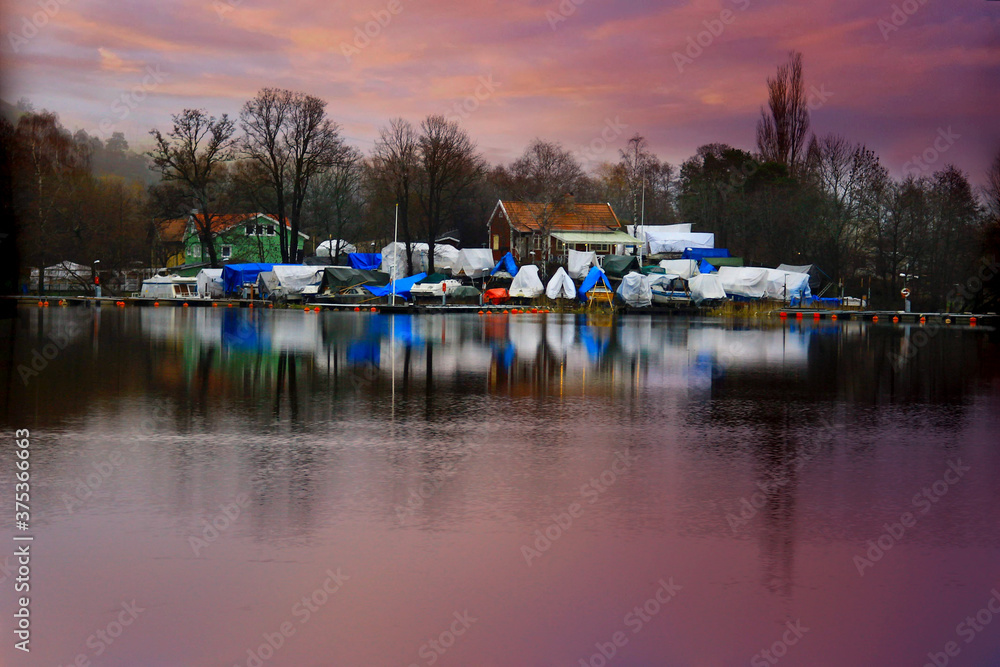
(526, 283)
(560, 286)
(169, 287)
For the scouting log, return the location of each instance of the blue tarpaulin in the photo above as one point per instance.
(596, 273)
(701, 253)
(507, 264)
(366, 261)
(403, 286)
(235, 275)
(705, 267)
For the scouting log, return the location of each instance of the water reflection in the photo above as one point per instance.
(430, 447)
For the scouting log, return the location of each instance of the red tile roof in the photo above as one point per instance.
(561, 216)
(173, 231)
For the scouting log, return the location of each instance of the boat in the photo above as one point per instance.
(169, 287)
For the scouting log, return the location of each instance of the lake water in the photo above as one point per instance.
(231, 487)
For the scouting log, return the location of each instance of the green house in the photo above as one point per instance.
(238, 238)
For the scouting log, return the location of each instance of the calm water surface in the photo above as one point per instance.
(522, 490)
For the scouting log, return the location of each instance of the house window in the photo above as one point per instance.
(496, 241)
(249, 230)
(270, 230)
(227, 251)
(196, 251)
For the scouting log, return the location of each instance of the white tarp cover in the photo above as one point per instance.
(704, 287)
(639, 231)
(797, 285)
(293, 279)
(684, 268)
(474, 262)
(635, 290)
(526, 283)
(435, 289)
(328, 248)
(660, 242)
(268, 283)
(210, 283)
(579, 263)
(560, 286)
(746, 281)
(162, 287)
(445, 259)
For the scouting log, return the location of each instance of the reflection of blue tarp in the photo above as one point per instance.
(596, 274)
(705, 267)
(594, 346)
(240, 331)
(507, 264)
(234, 275)
(364, 352)
(399, 327)
(366, 261)
(701, 253)
(403, 286)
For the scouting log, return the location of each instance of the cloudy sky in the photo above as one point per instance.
(896, 75)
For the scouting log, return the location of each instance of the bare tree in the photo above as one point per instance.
(393, 169)
(449, 168)
(290, 136)
(544, 174)
(263, 120)
(335, 204)
(782, 128)
(194, 154)
(992, 189)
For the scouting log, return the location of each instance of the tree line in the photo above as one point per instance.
(798, 198)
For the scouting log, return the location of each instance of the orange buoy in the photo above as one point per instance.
(798, 316)
(40, 304)
(251, 305)
(229, 305)
(316, 309)
(895, 319)
(46, 304)
(783, 315)
(947, 320)
(373, 309)
(270, 305)
(506, 312)
(185, 304)
(480, 312)
(833, 317)
(215, 305)
(357, 309)
(972, 320)
(815, 316)
(156, 304)
(874, 318)
(922, 319)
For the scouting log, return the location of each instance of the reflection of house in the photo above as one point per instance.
(241, 237)
(524, 228)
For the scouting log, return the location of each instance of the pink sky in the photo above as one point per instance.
(561, 71)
